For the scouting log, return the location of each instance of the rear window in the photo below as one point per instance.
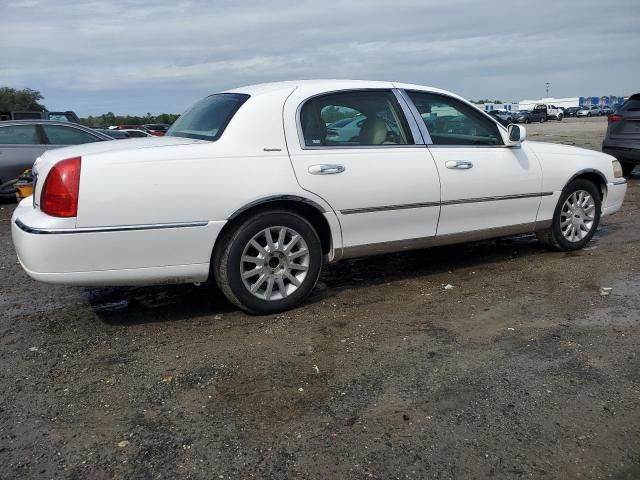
(632, 104)
(208, 118)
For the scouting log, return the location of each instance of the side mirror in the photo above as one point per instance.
(517, 134)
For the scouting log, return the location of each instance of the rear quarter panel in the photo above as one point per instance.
(207, 181)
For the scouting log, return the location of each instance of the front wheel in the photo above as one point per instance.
(541, 119)
(560, 117)
(576, 217)
(269, 263)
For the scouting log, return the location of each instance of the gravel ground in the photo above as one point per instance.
(522, 370)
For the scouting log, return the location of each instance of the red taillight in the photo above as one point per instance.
(614, 118)
(59, 196)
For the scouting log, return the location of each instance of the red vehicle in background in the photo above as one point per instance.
(157, 129)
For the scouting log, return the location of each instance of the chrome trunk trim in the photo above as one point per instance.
(119, 228)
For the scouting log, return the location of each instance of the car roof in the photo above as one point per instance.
(314, 87)
(327, 84)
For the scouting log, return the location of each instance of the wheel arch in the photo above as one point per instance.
(594, 176)
(312, 211)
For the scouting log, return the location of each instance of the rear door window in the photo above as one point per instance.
(354, 119)
(19, 135)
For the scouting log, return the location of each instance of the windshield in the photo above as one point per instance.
(208, 118)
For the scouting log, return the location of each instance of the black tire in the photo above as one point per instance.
(553, 237)
(627, 168)
(226, 262)
(541, 119)
(560, 117)
(8, 188)
(526, 120)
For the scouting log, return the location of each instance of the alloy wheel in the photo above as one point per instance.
(274, 263)
(577, 215)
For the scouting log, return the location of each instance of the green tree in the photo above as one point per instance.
(110, 119)
(486, 100)
(26, 99)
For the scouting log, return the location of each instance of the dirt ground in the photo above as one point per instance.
(522, 370)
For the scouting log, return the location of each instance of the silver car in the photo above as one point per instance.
(22, 141)
(593, 111)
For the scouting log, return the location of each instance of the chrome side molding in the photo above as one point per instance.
(351, 211)
(120, 228)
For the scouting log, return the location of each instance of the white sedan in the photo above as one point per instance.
(248, 188)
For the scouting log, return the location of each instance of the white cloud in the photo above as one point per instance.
(155, 56)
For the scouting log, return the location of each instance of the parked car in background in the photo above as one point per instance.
(528, 116)
(586, 111)
(134, 127)
(550, 112)
(157, 129)
(622, 139)
(605, 110)
(505, 117)
(113, 133)
(136, 133)
(571, 111)
(346, 129)
(67, 116)
(272, 196)
(22, 141)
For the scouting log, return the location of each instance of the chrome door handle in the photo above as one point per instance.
(327, 169)
(459, 164)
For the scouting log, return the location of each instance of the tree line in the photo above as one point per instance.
(28, 100)
(109, 118)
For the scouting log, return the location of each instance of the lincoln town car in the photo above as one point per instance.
(253, 189)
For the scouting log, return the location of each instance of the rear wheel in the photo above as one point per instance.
(541, 119)
(269, 263)
(576, 217)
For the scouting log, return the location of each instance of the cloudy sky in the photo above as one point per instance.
(135, 56)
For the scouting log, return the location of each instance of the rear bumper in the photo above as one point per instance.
(615, 196)
(135, 255)
(628, 151)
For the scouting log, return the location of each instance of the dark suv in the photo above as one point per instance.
(623, 134)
